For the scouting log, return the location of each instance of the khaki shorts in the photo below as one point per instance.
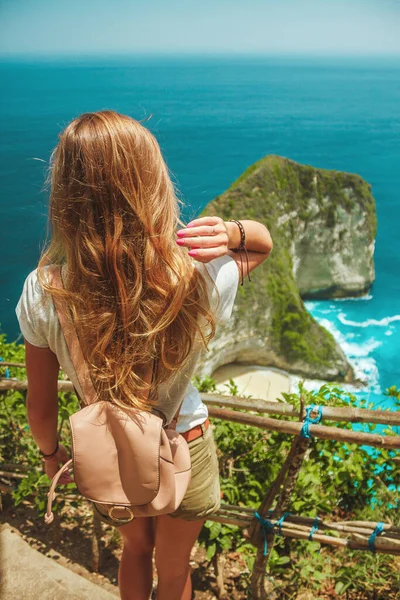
(203, 496)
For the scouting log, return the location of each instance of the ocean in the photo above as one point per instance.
(214, 117)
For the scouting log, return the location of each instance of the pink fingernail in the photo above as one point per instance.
(181, 232)
(180, 242)
(189, 225)
(192, 253)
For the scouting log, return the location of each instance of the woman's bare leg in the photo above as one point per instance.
(174, 540)
(135, 575)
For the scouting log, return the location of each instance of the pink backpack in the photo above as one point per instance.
(122, 459)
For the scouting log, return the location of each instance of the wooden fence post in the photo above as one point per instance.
(287, 477)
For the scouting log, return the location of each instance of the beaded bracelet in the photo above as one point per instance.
(48, 456)
(242, 246)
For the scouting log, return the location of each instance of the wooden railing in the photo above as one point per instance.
(260, 530)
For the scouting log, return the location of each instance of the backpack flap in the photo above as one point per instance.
(116, 454)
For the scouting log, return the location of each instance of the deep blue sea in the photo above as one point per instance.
(213, 118)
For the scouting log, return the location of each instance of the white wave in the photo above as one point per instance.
(366, 368)
(310, 305)
(369, 322)
(355, 299)
(339, 337)
(318, 306)
(358, 355)
(360, 350)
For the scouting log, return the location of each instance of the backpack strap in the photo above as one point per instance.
(74, 347)
(174, 421)
(51, 495)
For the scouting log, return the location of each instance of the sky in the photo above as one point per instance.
(90, 27)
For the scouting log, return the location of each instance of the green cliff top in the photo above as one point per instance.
(287, 197)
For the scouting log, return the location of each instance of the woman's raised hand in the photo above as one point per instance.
(207, 238)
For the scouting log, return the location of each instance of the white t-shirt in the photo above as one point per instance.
(40, 326)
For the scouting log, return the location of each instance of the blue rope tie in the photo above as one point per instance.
(279, 522)
(314, 528)
(377, 531)
(267, 527)
(7, 369)
(305, 431)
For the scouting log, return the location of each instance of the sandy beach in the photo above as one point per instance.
(252, 380)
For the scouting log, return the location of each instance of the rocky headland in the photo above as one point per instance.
(323, 224)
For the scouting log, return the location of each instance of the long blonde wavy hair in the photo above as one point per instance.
(133, 293)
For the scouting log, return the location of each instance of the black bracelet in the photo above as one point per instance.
(242, 246)
(52, 453)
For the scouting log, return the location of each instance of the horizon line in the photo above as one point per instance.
(316, 54)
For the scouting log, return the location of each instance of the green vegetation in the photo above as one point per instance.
(293, 333)
(342, 481)
(336, 482)
(292, 199)
(16, 443)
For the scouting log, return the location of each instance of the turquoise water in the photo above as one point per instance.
(214, 117)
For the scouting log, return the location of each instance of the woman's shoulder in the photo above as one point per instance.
(33, 276)
(32, 290)
(34, 309)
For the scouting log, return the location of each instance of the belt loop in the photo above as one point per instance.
(203, 427)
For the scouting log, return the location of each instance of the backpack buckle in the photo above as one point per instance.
(119, 519)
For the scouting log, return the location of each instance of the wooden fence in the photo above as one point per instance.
(260, 527)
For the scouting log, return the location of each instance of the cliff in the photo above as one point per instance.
(323, 225)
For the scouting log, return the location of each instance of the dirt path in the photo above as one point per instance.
(68, 544)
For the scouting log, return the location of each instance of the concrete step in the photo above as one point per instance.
(26, 574)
